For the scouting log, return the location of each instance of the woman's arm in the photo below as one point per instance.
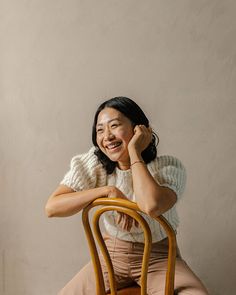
(151, 197)
(64, 201)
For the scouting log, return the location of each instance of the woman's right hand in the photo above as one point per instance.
(125, 221)
(114, 192)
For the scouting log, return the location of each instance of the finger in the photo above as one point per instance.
(122, 218)
(148, 130)
(126, 225)
(136, 128)
(122, 223)
(126, 222)
(129, 224)
(119, 217)
(141, 126)
(145, 129)
(129, 227)
(132, 220)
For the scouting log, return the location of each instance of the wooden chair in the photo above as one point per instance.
(130, 208)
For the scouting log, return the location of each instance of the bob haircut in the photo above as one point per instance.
(135, 114)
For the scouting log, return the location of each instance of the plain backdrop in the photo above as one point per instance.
(59, 59)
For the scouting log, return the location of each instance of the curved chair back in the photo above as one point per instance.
(131, 209)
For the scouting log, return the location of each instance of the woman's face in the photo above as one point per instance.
(114, 131)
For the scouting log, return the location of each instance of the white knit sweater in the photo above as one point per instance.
(86, 172)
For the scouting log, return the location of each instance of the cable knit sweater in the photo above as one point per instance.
(86, 172)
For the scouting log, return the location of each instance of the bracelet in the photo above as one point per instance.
(137, 162)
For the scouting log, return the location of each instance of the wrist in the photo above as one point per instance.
(136, 162)
(103, 191)
(134, 155)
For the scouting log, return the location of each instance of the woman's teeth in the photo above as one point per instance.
(112, 146)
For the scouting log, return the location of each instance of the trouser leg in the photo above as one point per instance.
(83, 283)
(186, 282)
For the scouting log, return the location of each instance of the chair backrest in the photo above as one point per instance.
(130, 208)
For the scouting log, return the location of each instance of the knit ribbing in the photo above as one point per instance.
(86, 172)
(170, 172)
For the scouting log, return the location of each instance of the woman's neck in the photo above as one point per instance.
(123, 165)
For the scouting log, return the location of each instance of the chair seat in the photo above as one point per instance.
(134, 290)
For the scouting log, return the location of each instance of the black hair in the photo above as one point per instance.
(135, 114)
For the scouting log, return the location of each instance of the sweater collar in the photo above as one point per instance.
(120, 172)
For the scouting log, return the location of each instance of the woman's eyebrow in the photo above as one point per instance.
(100, 124)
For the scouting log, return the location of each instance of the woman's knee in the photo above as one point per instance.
(187, 282)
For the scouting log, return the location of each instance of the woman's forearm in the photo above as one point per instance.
(150, 196)
(67, 204)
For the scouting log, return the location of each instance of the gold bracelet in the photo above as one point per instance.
(137, 162)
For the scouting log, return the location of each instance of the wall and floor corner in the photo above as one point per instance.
(59, 60)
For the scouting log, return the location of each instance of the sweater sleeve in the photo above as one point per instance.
(168, 171)
(85, 172)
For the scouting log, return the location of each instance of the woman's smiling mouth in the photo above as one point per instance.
(113, 145)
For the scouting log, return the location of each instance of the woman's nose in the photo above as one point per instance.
(108, 135)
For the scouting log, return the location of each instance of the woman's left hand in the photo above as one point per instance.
(141, 138)
(125, 221)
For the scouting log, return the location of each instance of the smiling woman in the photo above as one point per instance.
(123, 163)
(124, 115)
(114, 132)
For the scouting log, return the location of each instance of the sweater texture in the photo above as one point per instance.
(86, 172)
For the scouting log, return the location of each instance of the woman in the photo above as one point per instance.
(123, 163)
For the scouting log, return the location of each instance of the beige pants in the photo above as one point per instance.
(127, 261)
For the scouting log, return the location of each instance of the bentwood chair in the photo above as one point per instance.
(130, 208)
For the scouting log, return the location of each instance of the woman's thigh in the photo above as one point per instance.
(186, 282)
(83, 283)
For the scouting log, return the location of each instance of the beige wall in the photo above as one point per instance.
(59, 60)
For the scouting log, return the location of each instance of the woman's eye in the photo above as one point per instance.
(114, 125)
(99, 130)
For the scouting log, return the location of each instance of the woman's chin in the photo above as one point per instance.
(117, 156)
(114, 157)
(120, 160)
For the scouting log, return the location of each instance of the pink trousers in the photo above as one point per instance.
(127, 261)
